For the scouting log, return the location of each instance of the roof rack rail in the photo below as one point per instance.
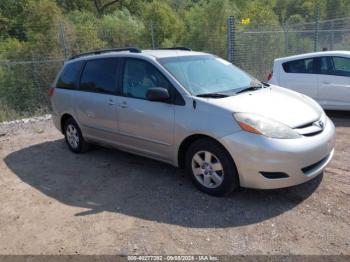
(97, 52)
(176, 48)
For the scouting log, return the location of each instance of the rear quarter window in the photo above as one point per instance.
(68, 78)
(301, 66)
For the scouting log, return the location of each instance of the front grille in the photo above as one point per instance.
(310, 168)
(313, 133)
(309, 129)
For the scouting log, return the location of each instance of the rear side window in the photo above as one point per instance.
(69, 76)
(301, 66)
(100, 76)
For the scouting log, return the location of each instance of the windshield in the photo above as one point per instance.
(205, 74)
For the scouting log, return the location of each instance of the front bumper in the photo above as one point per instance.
(301, 159)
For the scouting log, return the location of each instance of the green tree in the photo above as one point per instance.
(284, 9)
(168, 26)
(72, 5)
(11, 49)
(41, 24)
(11, 18)
(206, 26)
(82, 34)
(259, 13)
(121, 29)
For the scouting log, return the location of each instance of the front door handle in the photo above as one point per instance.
(326, 83)
(123, 104)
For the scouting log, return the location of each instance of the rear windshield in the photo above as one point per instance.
(68, 78)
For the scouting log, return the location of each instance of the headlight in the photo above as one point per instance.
(263, 126)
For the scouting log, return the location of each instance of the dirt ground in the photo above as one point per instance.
(110, 202)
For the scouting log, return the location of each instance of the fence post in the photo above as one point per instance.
(63, 41)
(230, 39)
(317, 18)
(34, 71)
(332, 35)
(286, 37)
(153, 36)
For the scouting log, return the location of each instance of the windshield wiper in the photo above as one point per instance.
(213, 95)
(265, 83)
(249, 88)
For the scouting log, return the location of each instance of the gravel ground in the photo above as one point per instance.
(110, 202)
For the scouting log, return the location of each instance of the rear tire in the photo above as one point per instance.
(74, 138)
(211, 167)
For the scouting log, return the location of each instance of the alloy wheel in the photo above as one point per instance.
(207, 169)
(72, 136)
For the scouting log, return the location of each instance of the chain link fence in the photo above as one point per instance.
(255, 47)
(24, 83)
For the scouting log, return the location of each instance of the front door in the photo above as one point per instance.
(334, 82)
(145, 126)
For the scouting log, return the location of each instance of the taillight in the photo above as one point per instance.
(269, 76)
(51, 91)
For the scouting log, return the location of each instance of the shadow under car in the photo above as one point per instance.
(111, 180)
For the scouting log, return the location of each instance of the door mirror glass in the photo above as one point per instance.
(159, 94)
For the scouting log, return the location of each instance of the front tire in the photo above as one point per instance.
(74, 138)
(211, 167)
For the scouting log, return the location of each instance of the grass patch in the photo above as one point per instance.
(8, 114)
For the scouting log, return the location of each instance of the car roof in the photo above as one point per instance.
(170, 53)
(313, 54)
(157, 53)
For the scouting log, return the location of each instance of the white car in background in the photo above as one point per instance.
(324, 76)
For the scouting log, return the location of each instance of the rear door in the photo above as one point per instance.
(301, 76)
(145, 126)
(96, 102)
(334, 82)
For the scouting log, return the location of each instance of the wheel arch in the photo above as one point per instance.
(185, 144)
(64, 118)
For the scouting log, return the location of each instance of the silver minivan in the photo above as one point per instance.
(195, 111)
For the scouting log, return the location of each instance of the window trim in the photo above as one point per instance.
(117, 70)
(175, 96)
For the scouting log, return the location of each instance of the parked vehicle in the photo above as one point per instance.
(324, 76)
(192, 110)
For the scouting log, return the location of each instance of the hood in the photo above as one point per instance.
(283, 105)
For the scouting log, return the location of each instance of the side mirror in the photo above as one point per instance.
(159, 94)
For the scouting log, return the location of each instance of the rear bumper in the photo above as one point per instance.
(300, 159)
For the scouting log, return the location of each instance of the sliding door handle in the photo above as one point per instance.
(123, 104)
